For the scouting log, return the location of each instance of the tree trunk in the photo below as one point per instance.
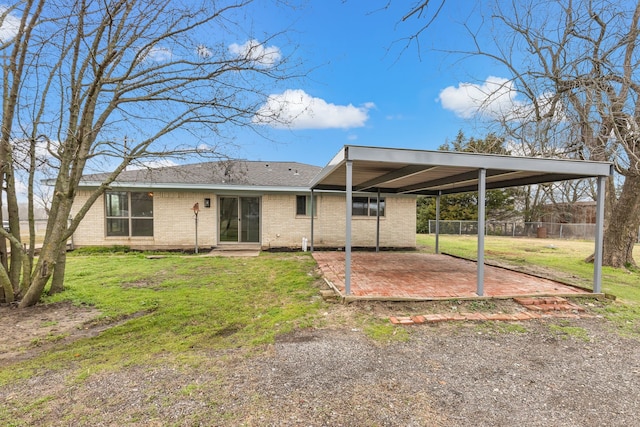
(6, 288)
(54, 242)
(4, 259)
(57, 282)
(42, 274)
(15, 258)
(622, 228)
(27, 264)
(6, 295)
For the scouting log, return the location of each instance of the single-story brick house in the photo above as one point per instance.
(241, 203)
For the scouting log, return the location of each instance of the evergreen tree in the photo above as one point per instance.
(500, 204)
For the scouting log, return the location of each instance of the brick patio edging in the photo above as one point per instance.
(435, 318)
(537, 308)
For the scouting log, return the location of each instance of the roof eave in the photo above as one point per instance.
(546, 169)
(337, 160)
(197, 187)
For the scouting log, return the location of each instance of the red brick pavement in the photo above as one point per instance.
(414, 275)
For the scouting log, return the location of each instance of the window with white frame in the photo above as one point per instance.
(367, 206)
(129, 214)
(303, 205)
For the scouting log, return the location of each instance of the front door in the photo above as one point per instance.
(239, 219)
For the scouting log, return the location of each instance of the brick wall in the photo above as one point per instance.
(281, 227)
(174, 224)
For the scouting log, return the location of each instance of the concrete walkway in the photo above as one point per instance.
(420, 276)
(239, 253)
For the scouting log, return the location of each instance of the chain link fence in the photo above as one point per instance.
(520, 229)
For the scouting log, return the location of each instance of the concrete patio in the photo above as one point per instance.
(421, 276)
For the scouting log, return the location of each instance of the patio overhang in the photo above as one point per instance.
(435, 173)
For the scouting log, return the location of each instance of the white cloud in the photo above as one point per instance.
(203, 52)
(21, 150)
(22, 192)
(21, 189)
(256, 52)
(157, 54)
(160, 54)
(494, 98)
(9, 26)
(296, 109)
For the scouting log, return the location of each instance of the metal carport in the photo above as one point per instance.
(435, 173)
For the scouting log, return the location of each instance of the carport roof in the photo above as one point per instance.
(404, 171)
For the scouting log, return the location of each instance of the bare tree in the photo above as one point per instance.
(551, 138)
(577, 63)
(584, 55)
(80, 76)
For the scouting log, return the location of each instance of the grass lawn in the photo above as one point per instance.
(179, 307)
(174, 304)
(564, 257)
(183, 306)
(196, 314)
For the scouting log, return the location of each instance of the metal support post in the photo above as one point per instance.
(599, 238)
(438, 222)
(482, 177)
(378, 223)
(312, 212)
(347, 243)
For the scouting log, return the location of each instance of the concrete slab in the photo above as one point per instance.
(421, 276)
(234, 253)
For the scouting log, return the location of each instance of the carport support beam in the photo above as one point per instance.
(599, 238)
(312, 211)
(347, 243)
(438, 222)
(482, 178)
(378, 222)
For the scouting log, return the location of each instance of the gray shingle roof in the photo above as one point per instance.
(231, 172)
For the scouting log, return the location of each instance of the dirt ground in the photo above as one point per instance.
(34, 329)
(577, 372)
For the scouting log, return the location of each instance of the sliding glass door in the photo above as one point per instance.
(239, 219)
(250, 219)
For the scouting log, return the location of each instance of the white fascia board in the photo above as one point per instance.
(476, 160)
(366, 193)
(228, 189)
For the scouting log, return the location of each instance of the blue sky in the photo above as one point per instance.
(365, 89)
(360, 86)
